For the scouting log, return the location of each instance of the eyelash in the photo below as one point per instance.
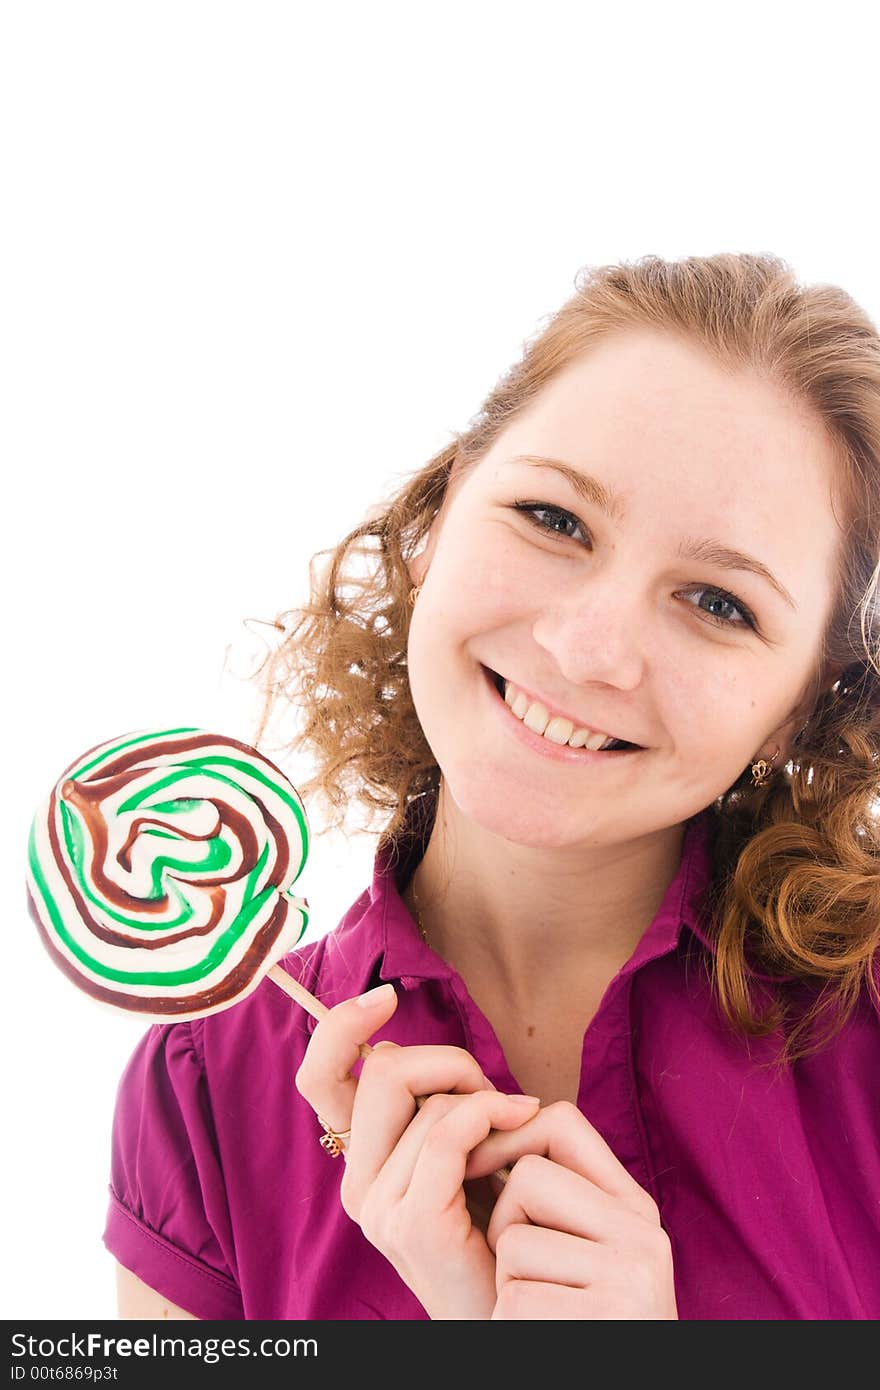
(529, 508)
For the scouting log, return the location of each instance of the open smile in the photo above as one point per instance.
(560, 752)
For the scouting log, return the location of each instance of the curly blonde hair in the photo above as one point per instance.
(795, 892)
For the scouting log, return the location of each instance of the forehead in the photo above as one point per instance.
(651, 399)
(690, 448)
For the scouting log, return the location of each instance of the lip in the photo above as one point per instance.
(555, 712)
(559, 752)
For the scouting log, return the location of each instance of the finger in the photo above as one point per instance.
(560, 1132)
(324, 1077)
(627, 1280)
(532, 1301)
(547, 1194)
(427, 1165)
(538, 1253)
(385, 1103)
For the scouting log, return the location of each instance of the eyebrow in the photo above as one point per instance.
(709, 552)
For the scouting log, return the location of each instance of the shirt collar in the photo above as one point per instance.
(378, 935)
(394, 936)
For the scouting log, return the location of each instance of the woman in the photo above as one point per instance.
(661, 529)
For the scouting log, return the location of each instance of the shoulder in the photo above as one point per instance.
(199, 1083)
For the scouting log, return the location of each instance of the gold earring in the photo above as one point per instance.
(762, 769)
(414, 593)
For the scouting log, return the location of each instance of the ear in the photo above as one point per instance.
(783, 737)
(420, 563)
(418, 567)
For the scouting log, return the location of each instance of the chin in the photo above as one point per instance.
(521, 818)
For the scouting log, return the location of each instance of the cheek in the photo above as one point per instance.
(708, 703)
(482, 576)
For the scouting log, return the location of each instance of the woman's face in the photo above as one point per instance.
(606, 615)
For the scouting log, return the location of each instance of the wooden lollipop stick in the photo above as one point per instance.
(318, 1010)
(311, 1005)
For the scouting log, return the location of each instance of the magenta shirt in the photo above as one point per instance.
(223, 1200)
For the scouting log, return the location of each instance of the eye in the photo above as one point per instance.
(721, 596)
(559, 518)
(557, 514)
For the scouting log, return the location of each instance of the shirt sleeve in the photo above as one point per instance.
(168, 1219)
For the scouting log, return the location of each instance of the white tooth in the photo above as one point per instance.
(536, 717)
(559, 730)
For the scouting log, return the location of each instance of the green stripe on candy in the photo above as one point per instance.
(151, 977)
(205, 764)
(154, 737)
(111, 752)
(219, 855)
(217, 858)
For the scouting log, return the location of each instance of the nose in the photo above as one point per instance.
(595, 632)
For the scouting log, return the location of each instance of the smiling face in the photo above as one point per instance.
(605, 613)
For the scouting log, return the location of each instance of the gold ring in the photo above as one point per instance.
(331, 1140)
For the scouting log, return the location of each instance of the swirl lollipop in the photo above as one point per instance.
(160, 874)
(160, 871)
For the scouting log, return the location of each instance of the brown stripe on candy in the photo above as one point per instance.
(113, 938)
(114, 777)
(157, 750)
(239, 823)
(88, 797)
(168, 1006)
(146, 751)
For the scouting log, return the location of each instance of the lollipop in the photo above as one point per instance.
(160, 873)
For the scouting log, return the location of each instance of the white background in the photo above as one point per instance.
(259, 260)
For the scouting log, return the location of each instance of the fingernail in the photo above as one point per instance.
(380, 995)
(525, 1100)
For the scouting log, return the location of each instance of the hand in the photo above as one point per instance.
(405, 1167)
(574, 1235)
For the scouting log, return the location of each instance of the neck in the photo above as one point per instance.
(532, 918)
